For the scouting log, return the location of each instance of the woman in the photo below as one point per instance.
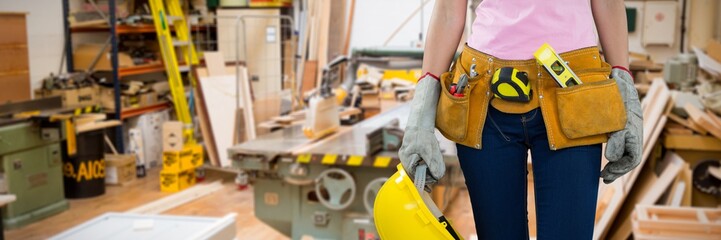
(562, 127)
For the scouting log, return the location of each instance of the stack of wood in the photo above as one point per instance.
(646, 71)
(615, 198)
(656, 222)
(222, 123)
(324, 33)
(632, 204)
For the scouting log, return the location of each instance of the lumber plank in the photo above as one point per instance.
(654, 119)
(692, 142)
(323, 33)
(703, 120)
(605, 200)
(715, 118)
(215, 63)
(679, 131)
(247, 102)
(651, 194)
(686, 123)
(309, 76)
(662, 222)
(608, 214)
(178, 199)
(336, 29)
(91, 126)
(349, 27)
(205, 128)
(219, 93)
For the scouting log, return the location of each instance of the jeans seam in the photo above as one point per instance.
(525, 132)
(534, 197)
(535, 112)
(498, 128)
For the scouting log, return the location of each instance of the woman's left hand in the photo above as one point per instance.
(625, 148)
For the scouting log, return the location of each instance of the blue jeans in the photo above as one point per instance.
(565, 180)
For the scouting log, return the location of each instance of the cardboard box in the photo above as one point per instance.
(173, 182)
(69, 97)
(87, 96)
(119, 169)
(197, 160)
(147, 98)
(84, 54)
(177, 161)
(106, 99)
(713, 49)
(172, 136)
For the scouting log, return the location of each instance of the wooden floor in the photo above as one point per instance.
(217, 204)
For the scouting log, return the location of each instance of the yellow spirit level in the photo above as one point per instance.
(559, 70)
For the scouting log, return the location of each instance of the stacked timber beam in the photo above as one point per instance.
(654, 201)
(324, 34)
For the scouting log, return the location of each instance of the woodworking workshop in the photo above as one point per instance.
(360, 119)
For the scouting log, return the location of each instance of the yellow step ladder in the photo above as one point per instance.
(164, 21)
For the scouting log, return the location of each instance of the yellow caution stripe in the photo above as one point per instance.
(347, 160)
(304, 158)
(382, 162)
(329, 159)
(355, 161)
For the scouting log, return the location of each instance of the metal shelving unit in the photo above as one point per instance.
(117, 72)
(112, 28)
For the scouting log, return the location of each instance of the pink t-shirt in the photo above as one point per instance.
(514, 29)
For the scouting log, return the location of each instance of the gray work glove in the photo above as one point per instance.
(420, 144)
(625, 148)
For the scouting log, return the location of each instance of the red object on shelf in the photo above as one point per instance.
(141, 69)
(128, 113)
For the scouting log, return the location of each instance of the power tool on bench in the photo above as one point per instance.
(322, 116)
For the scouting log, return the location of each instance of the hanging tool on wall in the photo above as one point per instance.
(511, 85)
(559, 70)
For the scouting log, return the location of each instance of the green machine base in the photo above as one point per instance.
(33, 216)
(31, 170)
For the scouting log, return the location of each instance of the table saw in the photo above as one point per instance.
(325, 189)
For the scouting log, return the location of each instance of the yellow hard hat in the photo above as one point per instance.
(401, 211)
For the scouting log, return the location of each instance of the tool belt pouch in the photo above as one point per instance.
(592, 108)
(452, 111)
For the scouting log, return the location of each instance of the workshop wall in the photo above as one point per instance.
(376, 20)
(45, 35)
(659, 53)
